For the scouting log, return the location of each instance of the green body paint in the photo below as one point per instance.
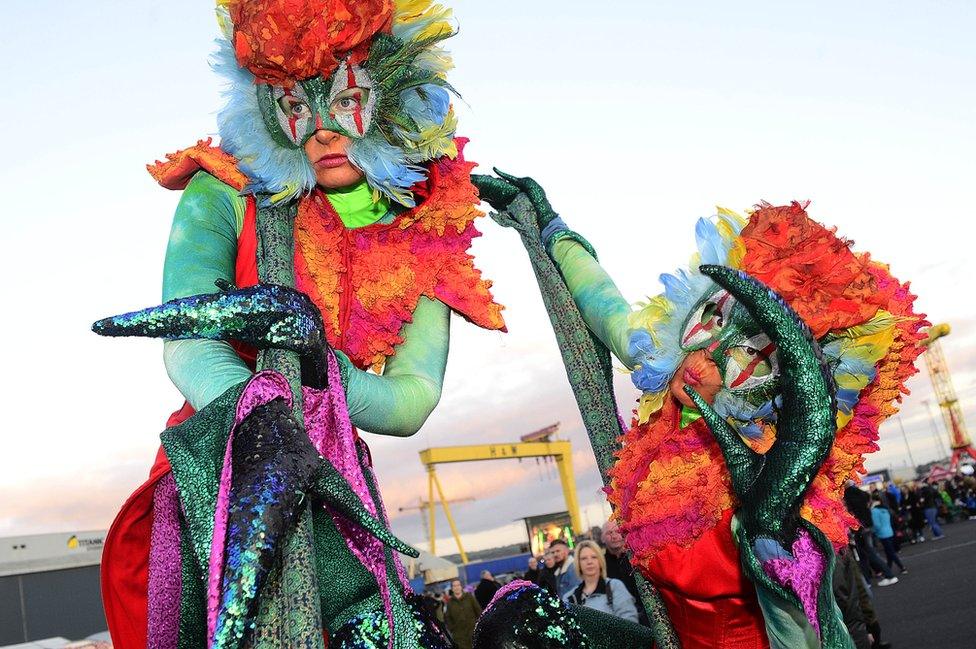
(203, 248)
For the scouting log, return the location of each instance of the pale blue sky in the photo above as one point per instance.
(637, 118)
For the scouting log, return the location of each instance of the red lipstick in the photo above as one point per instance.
(332, 160)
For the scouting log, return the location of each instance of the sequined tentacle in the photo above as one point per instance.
(265, 316)
(273, 466)
(744, 463)
(781, 552)
(807, 423)
(337, 494)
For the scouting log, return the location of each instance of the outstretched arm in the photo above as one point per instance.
(603, 308)
(599, 300)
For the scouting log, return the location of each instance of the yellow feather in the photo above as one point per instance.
(436, 140)
(648, 404)
(650, 315)
(413, 11)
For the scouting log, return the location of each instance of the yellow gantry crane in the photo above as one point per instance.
(537, 444)
(425, 506)
(935, 360)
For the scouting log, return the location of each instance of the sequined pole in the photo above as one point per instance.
(770, 487)
(586, 359)
(290, 614)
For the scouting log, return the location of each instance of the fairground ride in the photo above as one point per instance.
(960, 441)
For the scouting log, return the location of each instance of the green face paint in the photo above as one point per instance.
(744, 354)
(342, 103)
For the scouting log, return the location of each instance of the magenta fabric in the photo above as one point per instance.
(802, 574)
(331, 432)
(261, 389)
(165, 583)
(515, 584)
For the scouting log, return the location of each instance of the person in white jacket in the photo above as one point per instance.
(596, 590)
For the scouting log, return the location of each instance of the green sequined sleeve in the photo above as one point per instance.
(399, 401)
(598, 298)
(202, 248)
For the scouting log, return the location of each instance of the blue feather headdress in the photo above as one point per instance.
(413, 121)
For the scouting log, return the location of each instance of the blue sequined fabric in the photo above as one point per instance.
(274, 464)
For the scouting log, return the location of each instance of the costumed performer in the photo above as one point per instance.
(334, 218)
(766, 368)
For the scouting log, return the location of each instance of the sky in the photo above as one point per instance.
(637, 117)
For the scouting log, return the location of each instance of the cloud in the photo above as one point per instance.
(83, 500)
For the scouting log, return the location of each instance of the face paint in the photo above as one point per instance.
(351, 99)
(706, 322)
(744, 355)
(343, 103)
(751, 363)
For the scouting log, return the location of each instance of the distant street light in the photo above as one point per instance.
(935, 429)
(907, 446)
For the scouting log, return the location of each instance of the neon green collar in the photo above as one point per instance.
(689, 416)
(355, 205)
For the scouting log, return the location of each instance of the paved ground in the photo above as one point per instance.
(934, 605)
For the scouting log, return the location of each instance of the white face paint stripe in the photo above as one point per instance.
(294, 128)
(346, 77)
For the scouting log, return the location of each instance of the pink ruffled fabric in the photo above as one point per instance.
(802, 574)
(332, 434)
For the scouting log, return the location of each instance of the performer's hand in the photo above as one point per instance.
(500, 192)
(265, 316)
(494, 191)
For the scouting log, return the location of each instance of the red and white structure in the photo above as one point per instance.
(960, 441)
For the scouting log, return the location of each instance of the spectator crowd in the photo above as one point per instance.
(889, 518)
(597, 573)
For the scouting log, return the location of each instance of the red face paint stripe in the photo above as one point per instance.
(763, 355)
(292, 120)
(357, 114)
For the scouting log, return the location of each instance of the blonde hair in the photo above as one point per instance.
(599, 557)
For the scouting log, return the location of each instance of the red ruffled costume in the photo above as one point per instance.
(671, 488)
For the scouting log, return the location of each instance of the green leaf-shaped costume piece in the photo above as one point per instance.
(770, 487)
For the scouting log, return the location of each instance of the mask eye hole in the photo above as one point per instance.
(350, 101)
(293, 107)
(751, 363)
(707, 321)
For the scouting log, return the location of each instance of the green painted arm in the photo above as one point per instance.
(599, 300)
(399, 401)
(203, 248)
